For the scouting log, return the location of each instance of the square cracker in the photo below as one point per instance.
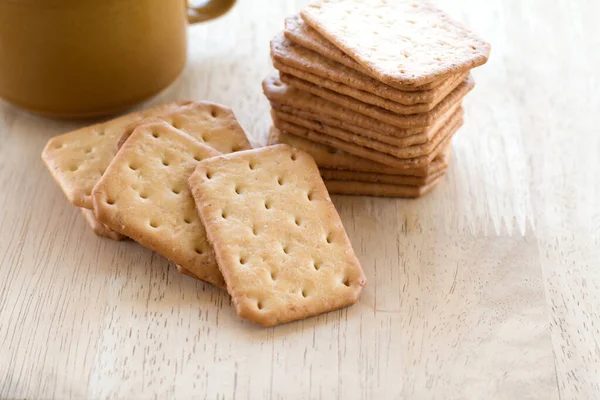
(405, 180)
(419, 120)
(400, 147)
(99, 228)
(144, 195)
(304, 118)
(357, 188)
(296, 60)
(207, 122)
(283, 95)
(405, 42)
(331, 158)
(277, 237)
(78, 159)
(447, 131)
(299, 32)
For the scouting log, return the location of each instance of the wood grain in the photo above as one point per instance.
(486, 288)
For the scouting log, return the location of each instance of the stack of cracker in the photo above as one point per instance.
(182, 179)
(373, 90)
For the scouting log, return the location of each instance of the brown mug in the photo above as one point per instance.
(81, 58)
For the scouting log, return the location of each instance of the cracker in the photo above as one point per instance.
(329, 157)
(99, 228)
(418, 138)
(309, 66)
(184, 271)
(77, 159)
(144, 195)
(363, 152)
(403, 148)
(207, 122)
(285, 95)
(402, 180)
(405, 42)
(402, 121)
(299, 32)
(357, 188)
(277, 237)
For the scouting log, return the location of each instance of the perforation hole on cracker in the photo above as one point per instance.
(316, 265)
(198, 250)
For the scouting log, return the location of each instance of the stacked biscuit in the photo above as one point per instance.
(373, 90)
(182, 179)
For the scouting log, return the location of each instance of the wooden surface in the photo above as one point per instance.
(487, 288)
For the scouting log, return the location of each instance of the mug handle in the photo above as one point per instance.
(208, 9)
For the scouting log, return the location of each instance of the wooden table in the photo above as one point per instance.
(488, 288)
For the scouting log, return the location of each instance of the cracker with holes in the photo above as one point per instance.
(207, 122)
(299, 32)
(277, 237)
(401, 42)
(144, 195)
(328, 157)
(419, 120)
(448, 130)
(400, 147)
(302, 63)
(78, 159)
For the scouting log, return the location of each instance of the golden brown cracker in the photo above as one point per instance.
(363, 152)
(144, 195)
(402, 121)
(331, 158)
(404, 42)
(299, 32)
(402, 148)
(309, 66)
(277, 237)
(209, 123)
(78, 159)
(356, 188)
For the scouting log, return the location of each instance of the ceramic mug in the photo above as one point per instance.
(81, 58)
